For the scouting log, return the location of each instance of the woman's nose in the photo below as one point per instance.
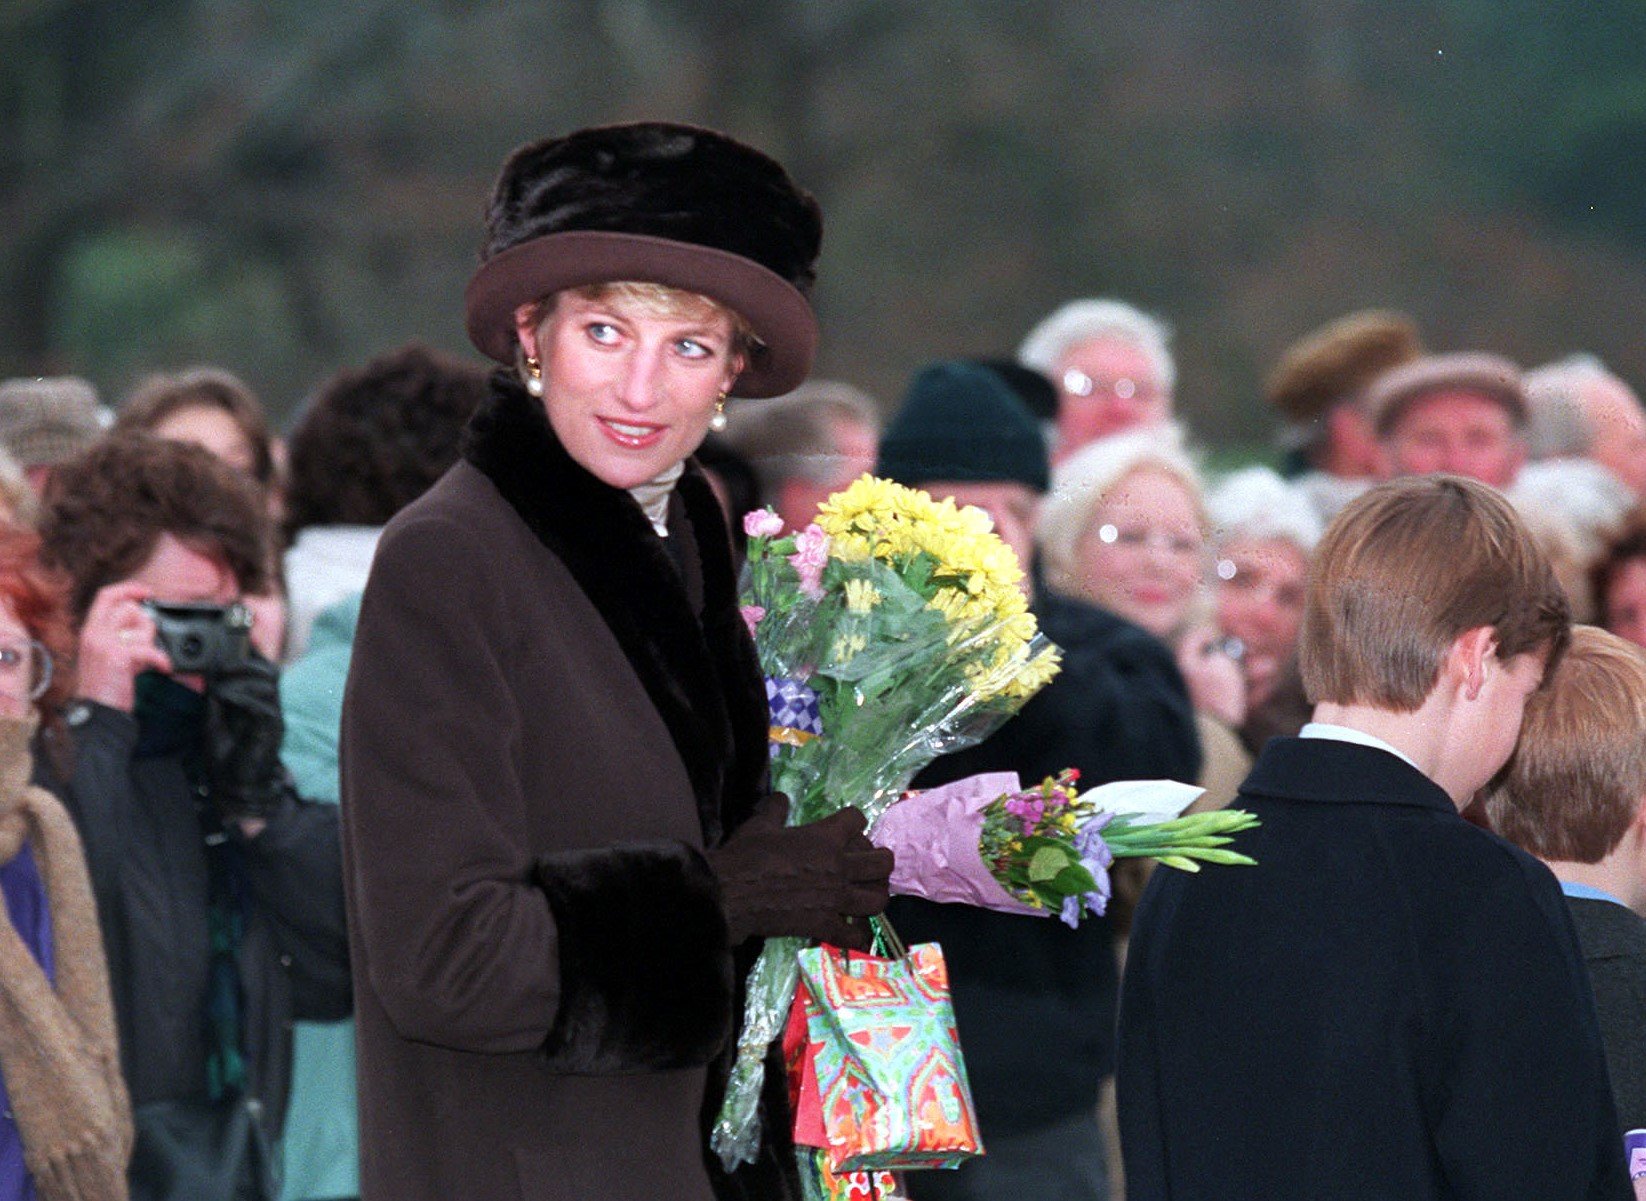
(641, 380)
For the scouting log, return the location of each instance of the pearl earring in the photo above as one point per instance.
(534, 376)
(717, 423)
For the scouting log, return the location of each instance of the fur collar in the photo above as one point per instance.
(699, 668)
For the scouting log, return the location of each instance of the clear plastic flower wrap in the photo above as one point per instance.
(892, 631)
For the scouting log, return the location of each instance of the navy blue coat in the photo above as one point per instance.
(1392, 1004)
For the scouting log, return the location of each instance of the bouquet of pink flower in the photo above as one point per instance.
(892, 631)
(987, 841)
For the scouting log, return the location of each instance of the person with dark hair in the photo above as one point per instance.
(1118, 709)
(1392, 1003)
(65, 1133)
(370, 441)
(219, 888)
(561, 856)
(1619, 581)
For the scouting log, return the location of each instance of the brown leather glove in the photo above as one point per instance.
(822, 880)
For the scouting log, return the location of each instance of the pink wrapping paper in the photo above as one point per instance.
(934, 835)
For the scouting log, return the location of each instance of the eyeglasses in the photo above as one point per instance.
(25, 669)
(1136, 538)
(1077, 383)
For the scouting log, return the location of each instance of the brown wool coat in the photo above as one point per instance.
(546, 721)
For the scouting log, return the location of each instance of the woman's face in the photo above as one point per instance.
(212, 428)
(18, 667)
(1625, 602)
(1260, 592)
(1105, 386)
(1141, 553)
(629, 393)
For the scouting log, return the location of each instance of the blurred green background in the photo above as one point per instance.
(288, 186)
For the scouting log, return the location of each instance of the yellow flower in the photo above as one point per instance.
(861, 596)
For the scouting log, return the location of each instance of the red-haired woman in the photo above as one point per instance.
(66, 1129)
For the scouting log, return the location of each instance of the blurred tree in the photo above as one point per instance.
(287, 187)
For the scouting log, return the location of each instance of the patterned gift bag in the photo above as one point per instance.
(880, 1077)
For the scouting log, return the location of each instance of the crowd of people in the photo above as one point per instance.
(437, 713)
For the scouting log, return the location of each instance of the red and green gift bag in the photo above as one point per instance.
(876, 1073)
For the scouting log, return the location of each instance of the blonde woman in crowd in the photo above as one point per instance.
(1125, 528)
(1264, 530)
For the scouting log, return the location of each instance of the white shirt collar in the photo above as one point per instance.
(1322, 729)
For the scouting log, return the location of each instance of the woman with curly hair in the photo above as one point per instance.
(220, 889)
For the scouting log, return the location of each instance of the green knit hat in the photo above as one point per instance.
(960, 421)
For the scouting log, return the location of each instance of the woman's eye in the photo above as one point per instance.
(691, 348)
(602, 332)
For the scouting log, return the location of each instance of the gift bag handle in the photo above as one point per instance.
(886, 941)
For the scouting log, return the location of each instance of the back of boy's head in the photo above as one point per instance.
(1578, 774)
(1404, 571)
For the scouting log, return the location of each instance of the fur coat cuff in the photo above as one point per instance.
(645, 970)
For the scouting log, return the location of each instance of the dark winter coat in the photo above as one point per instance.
(1391, 1004)
(1034, 1000)
(141, 820)
(550, 713)
(1614, 949)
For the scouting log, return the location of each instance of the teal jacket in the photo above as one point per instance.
(321, 1145)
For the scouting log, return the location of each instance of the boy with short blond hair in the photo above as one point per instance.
(1574, 795)
(1392, 1002)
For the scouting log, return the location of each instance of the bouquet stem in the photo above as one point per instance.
(736, 1134)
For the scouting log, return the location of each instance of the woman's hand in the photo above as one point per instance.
(268, 626)
(1216, 684)
(116, 643)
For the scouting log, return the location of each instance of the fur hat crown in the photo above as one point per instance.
(662, 180)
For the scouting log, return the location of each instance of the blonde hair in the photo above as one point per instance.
(1082, 481)
(1575, 782)
(1404, 571)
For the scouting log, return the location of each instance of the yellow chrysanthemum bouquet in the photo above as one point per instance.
(893, 630)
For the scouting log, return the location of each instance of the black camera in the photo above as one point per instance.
(199, 637)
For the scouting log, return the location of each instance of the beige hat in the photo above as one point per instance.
(44, 422)
(1488, 375)
(1337, 361)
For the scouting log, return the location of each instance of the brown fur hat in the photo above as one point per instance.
(669, 204)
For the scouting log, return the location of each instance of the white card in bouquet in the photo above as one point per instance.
(1145, 801)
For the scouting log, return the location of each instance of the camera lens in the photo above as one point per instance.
(190, 647)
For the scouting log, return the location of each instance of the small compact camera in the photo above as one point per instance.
(199, 637)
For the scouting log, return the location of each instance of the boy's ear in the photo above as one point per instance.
(1468, 659)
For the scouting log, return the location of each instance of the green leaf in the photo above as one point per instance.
(1072, 881)
(1047, 862)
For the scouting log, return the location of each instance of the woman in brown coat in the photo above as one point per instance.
(554, 735)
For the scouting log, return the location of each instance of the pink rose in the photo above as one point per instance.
(751, 616)
(811, 554)
(762, 523)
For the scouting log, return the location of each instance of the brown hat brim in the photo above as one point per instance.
(779, 314)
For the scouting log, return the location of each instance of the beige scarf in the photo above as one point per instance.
(59, 1052)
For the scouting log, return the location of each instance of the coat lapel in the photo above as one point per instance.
(699, 674)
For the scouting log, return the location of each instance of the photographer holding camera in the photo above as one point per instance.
(219, 888)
